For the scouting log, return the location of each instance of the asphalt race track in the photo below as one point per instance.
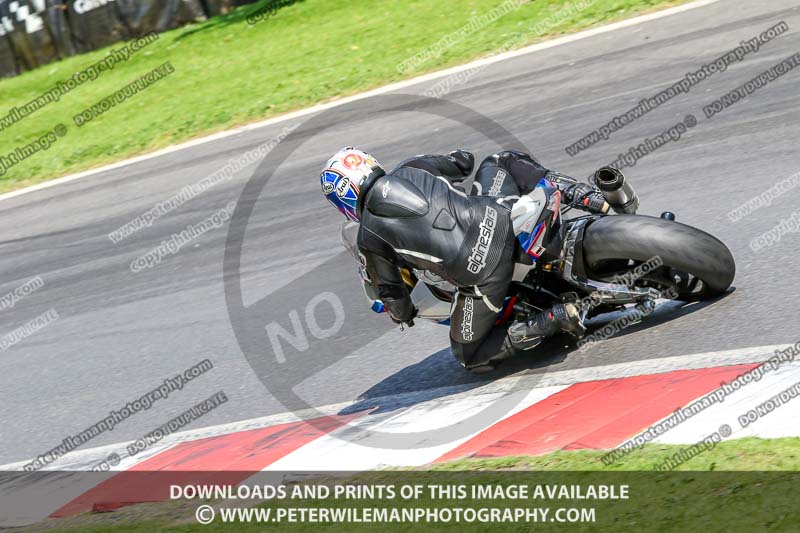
(121, 333)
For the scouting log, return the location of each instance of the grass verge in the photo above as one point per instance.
(228, 72)
(753, 489)
(736, 454)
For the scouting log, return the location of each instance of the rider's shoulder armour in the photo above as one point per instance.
(397, 198)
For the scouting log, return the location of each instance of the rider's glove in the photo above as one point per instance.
(464, 160)
(585, 197)
(409, 321)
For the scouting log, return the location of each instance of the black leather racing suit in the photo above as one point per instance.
(415, 216)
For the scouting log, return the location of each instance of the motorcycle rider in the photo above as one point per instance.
(419, 215)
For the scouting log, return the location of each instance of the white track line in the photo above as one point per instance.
(381, 90)
(84, 459)
(335, 451)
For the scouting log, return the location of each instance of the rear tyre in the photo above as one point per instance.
(698, 265)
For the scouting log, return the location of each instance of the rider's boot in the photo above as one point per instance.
(561, 317)
(522, 336)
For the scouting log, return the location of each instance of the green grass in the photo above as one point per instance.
(737, 454)
(753, 489)
(228, 72)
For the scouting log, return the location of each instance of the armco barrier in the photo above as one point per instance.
(95, 24)
(24, 28)
(8, 63)
(36, 32)
(145, 16)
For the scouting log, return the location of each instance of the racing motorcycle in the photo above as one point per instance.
(610, 260)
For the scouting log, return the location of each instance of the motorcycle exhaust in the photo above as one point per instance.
(616, 190)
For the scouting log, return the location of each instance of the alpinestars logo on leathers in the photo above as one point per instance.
(477, 259)
(466, 322)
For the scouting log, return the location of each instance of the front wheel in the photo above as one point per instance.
(695, 264)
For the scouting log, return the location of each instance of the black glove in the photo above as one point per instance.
(586, 198)
(464, 160)
(408, 322)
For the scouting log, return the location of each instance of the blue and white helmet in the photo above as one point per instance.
(343, 176)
